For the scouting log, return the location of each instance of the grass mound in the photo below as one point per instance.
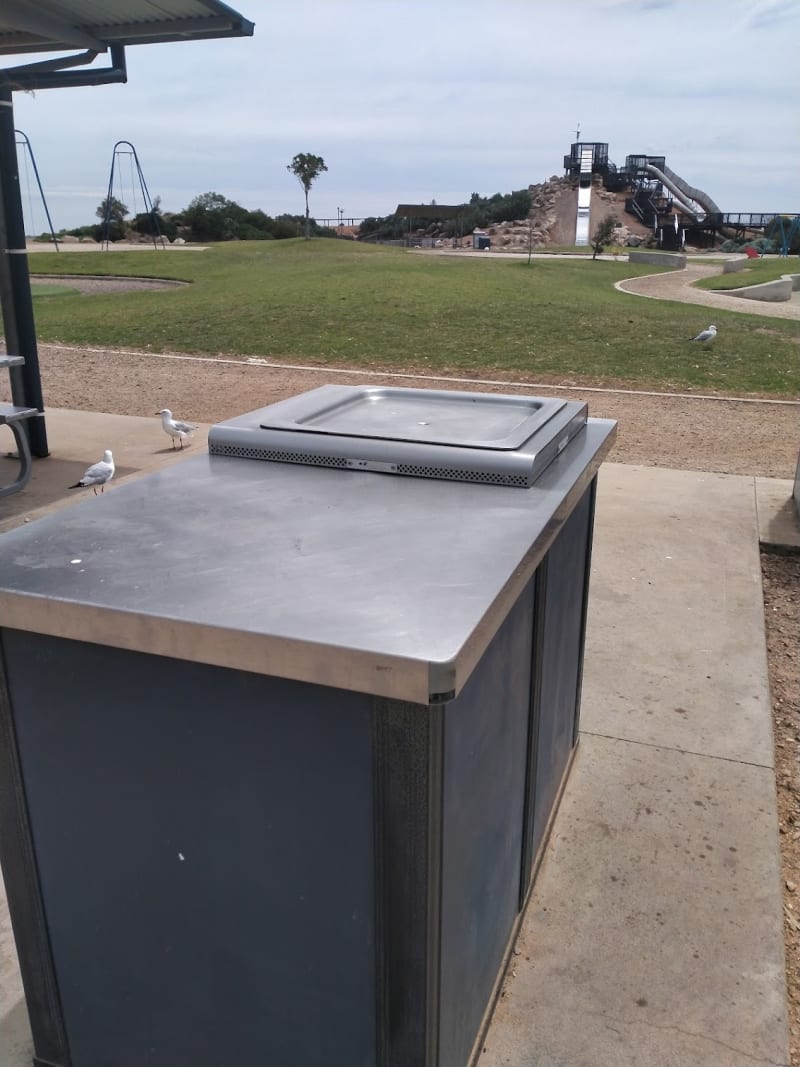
(346, 304)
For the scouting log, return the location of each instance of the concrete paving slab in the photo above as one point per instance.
(675, 635)
(76, 440)
(654, 934)
(16, 1043)
(778, 520)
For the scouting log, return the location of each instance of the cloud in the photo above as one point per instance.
(481, 100)
(766, 14)
(643, 5)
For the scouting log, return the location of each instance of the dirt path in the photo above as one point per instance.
(680, 431)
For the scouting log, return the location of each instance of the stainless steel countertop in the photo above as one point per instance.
(382, 584)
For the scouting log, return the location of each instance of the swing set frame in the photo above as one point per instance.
(130, 151)
(36, 26)
(24, 143)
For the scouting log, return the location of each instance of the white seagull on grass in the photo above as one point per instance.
(174, 427)
(97, 474)
(706, 337)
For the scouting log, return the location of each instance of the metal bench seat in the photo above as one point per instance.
(13, 417)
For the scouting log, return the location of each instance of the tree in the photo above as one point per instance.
(306, 168)
(602, 235)
(112, 209)
(112, 214)
(212, 217)
(154, 223)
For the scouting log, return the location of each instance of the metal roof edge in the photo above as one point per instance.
(25, 28)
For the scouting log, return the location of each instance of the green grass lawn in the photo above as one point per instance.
(346, 304)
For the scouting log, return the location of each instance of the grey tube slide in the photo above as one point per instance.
(682, 190)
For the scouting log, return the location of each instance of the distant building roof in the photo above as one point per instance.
(432, 211)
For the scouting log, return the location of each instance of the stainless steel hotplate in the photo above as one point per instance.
(476, 437)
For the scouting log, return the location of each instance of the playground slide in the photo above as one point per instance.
(684, 193)
(584, 198)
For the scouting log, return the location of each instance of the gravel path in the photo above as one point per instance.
(106, 284)
(758, 437)
(677, 285)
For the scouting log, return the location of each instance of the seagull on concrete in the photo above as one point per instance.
(97, 474)
(706, 337)
(174, 427)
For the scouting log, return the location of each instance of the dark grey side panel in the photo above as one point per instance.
(408, 783)
(561, 643)
(205, 845)
(485, 751)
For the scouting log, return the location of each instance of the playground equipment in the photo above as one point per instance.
(665, 202)
(586, 159)
(584, 198)
(125, 148)
(783, 230)
(29, 158)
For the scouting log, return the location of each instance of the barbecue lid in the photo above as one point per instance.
(425, 433)
(422, 416)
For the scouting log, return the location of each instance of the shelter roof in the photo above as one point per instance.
(432, 211)
(95, 25)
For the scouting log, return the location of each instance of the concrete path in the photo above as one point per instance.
(654, 934)
(76, 440)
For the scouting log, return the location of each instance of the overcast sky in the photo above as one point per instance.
(420, 100)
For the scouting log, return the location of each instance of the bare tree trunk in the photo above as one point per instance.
(308, 223)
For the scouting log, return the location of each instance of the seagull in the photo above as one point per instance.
(97, 474)
(174, 427)
(706, 336)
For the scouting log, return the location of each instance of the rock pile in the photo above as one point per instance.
(552, 218)
(547, 208)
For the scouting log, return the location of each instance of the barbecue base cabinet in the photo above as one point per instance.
(285, 810)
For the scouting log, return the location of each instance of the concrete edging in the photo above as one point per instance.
(730, 266)
(774, 291)
(659, 259)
